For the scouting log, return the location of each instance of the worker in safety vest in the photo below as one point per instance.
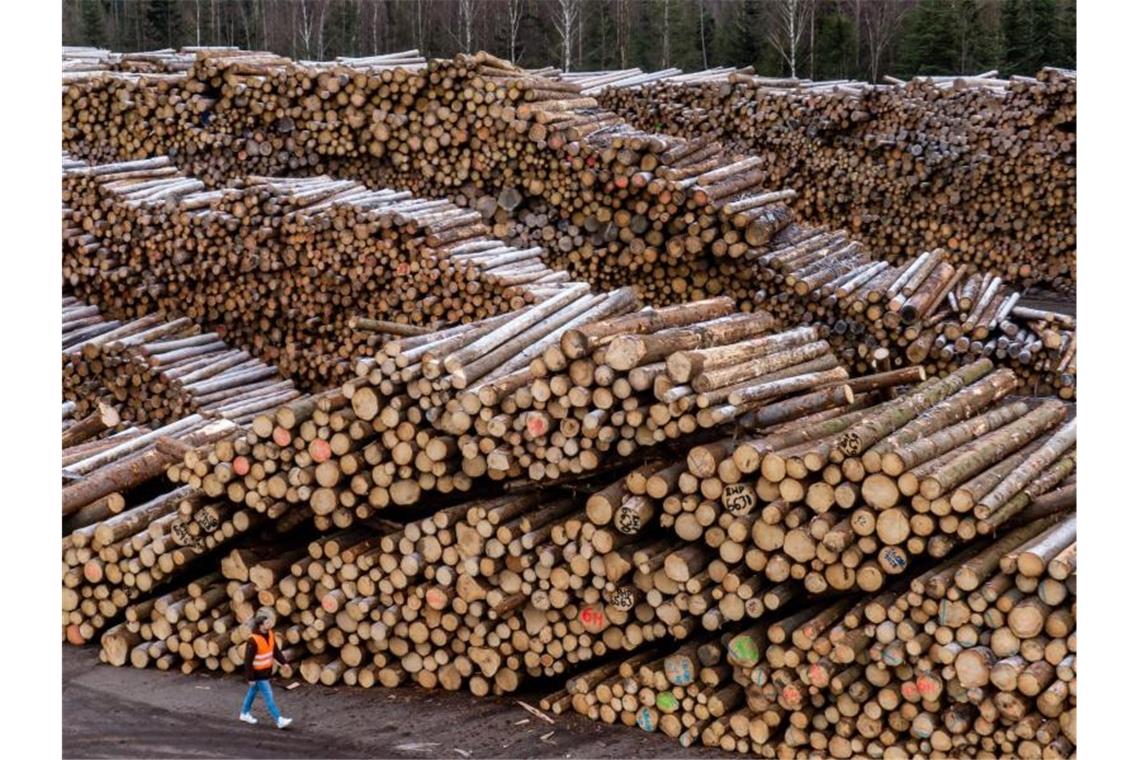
(260, 654)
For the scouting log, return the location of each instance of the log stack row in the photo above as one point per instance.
(442, 601)
(853, 498)
(976, 656)
(543, 167)
(926, 311)
(983, 167)
(80, 62)
(126, 530)
(390, 435)
(606, 388)
(641, 206)
(154, 372)
(302, 273)
(543, 394)
(486, 592)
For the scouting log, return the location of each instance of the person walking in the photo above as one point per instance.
(260, 654)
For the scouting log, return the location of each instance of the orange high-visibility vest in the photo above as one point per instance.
(263, 660)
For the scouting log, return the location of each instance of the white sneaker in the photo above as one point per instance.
(284, 722)
(248, 718)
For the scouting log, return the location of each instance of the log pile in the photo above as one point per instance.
(640, 380)
(154, 372)
(81, 62)
(126, 530)
(853, 499)
(543, 394)
(626, 206)
(983, 167)
(390, 435)
(442, 601)
(976, 656)
(842, 565)
(82, 322)
(926, 311)
(485, 592)
(543, 167)
(301, 273)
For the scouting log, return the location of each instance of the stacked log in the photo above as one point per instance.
(442, 601)
(972, 657)
(983, 167)
(543, 393)
(82, 322)
(186, 628)
(484, 593)
(390, 435)
(451, 356)
(678, 220)
(640, 380)
(637, 202)
(296, 272)
(153, 372)
(494, 570)
(203, 624)
(79, 60)
(926, 311)
(126, 531)
(853, 499)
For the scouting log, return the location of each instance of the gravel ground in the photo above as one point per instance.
(123, 712)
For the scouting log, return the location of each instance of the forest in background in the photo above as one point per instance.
(817, 39)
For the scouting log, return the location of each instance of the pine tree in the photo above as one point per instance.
(92, 23)
(686, 18)
(740, 42)
(1067, 34)
(948, 37)
(834, 45)
(1032, 35)
(162, 24)
(342, 22)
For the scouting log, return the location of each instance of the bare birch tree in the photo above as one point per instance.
(466, 24)
(788, 27)
(375, 47)
(881, 21)
(306, 28)
(565, 21)
(514, 20)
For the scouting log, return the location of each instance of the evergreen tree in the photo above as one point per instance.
(1067, 34)
(685, 20)
(162, 24)
(948, 37)
(645, 40)
(834, 44)
(92, 23)
(342, 24)
(1031, 32)
(601, 54)
(740, 42)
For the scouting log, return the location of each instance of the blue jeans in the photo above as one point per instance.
(261, 687)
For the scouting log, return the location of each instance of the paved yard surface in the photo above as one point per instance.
(123, 712)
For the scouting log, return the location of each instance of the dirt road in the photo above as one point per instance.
(122, 712)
